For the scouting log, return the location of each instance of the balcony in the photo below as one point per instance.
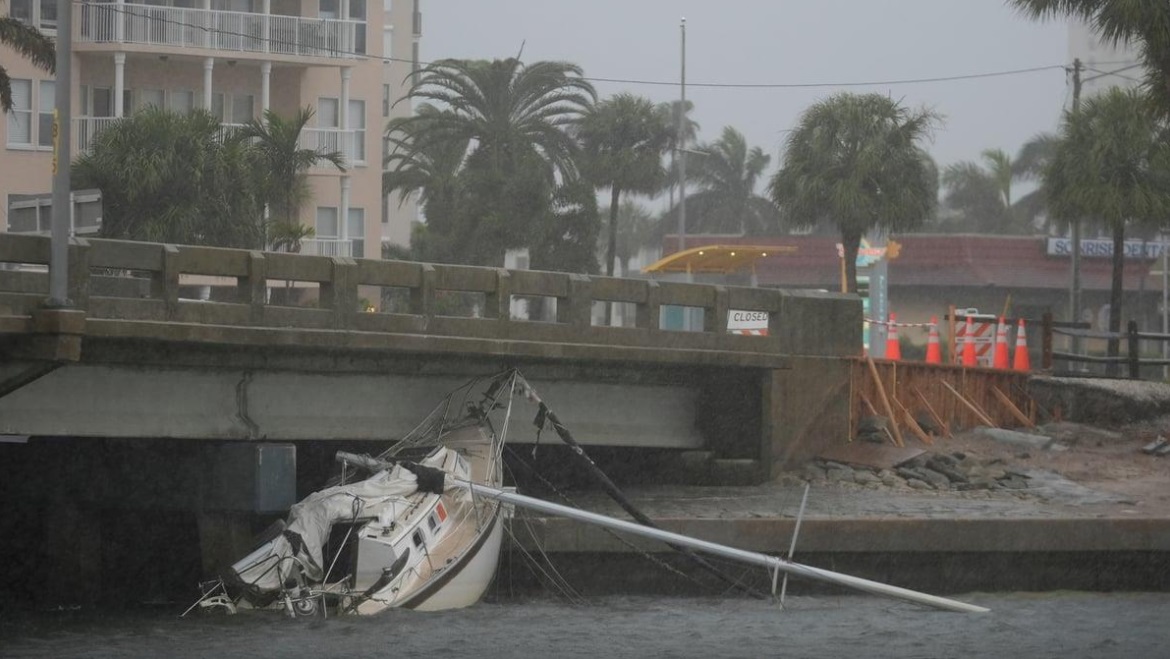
(322, 140)
(327, 247)
(225, 31)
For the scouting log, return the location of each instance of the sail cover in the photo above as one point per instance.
(310, 521)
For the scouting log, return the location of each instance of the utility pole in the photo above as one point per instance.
(1075, 287)
(682, 146)
(62, 156)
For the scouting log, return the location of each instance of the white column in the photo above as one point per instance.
(208, 65)
(119, 84)
(347, 28)
(120, 21)
(343, 115)
(343, 211)
(266, 9)
(208, 35)
(265, 87)
(343, 124)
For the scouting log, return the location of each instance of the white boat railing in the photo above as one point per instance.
(235, 31)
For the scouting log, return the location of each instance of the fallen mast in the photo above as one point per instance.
(772, 563)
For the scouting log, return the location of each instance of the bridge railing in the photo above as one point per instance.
(148, 282)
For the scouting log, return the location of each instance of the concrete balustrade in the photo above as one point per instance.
(112, 280)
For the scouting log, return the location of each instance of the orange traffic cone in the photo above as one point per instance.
(969, 343)
(1000, 356)
(893, 347)
(933, 350)
(1022, 362)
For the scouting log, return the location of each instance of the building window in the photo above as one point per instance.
(20, 117)
(385, 101)
(357, 13)
(149, 97)
(387, 42)
(41, 14)
(45, 102)
(327, 115)
(181, 101)
(355, 228)
(357, 123)
(387, 6)
(243, 108)
(329, 9)
(327, 226)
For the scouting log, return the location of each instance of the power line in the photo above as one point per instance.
(326, 48)
(1115, 72)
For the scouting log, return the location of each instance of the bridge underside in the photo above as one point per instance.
(123, 389)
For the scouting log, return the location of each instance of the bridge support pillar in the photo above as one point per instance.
(805, 410)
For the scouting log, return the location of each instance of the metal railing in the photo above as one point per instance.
(234, 31)
(1130, 360)
(327, 247)
(85, 129)
(323, 140)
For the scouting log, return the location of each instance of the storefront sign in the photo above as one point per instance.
(1104, 248)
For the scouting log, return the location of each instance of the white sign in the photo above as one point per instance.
(1104, 248)
(747, 320)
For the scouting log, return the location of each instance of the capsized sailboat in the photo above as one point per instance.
(426, 533)
(403, 534)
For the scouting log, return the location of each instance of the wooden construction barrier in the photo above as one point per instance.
(952, 397)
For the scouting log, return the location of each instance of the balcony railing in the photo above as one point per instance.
(323, 140)
(85, 129)
(326, 140)
(105, 22)
(327, 247)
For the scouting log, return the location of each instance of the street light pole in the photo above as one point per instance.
(682, 153)
(62, 155)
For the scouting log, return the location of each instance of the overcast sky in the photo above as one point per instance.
(785, 42)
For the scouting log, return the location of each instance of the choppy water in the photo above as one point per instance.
(1064, 624)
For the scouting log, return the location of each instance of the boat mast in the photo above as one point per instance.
(770, 562)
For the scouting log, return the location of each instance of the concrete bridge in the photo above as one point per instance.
(285, 348)
(166, 429)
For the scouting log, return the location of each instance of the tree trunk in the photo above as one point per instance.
(1115, 292)
(611, 248)
(851, 242)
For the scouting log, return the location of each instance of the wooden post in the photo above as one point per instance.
(951, 349)
(1046, 343)
(889, 409)
(1134, 356)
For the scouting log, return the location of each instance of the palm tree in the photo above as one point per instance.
(726, 177)
(857, 160)
(1113, 163)
(979, 196)
(169, 177)
(29, 42)
(277, 140)
(432, 172)
(623, 139)
(508, 110)
(636, 229)
(676, 111)
(1146, 24)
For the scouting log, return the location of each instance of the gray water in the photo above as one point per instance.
(1062, 624)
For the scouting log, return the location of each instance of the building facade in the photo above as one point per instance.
(349, 60)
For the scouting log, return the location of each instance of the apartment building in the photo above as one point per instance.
(348, 59)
